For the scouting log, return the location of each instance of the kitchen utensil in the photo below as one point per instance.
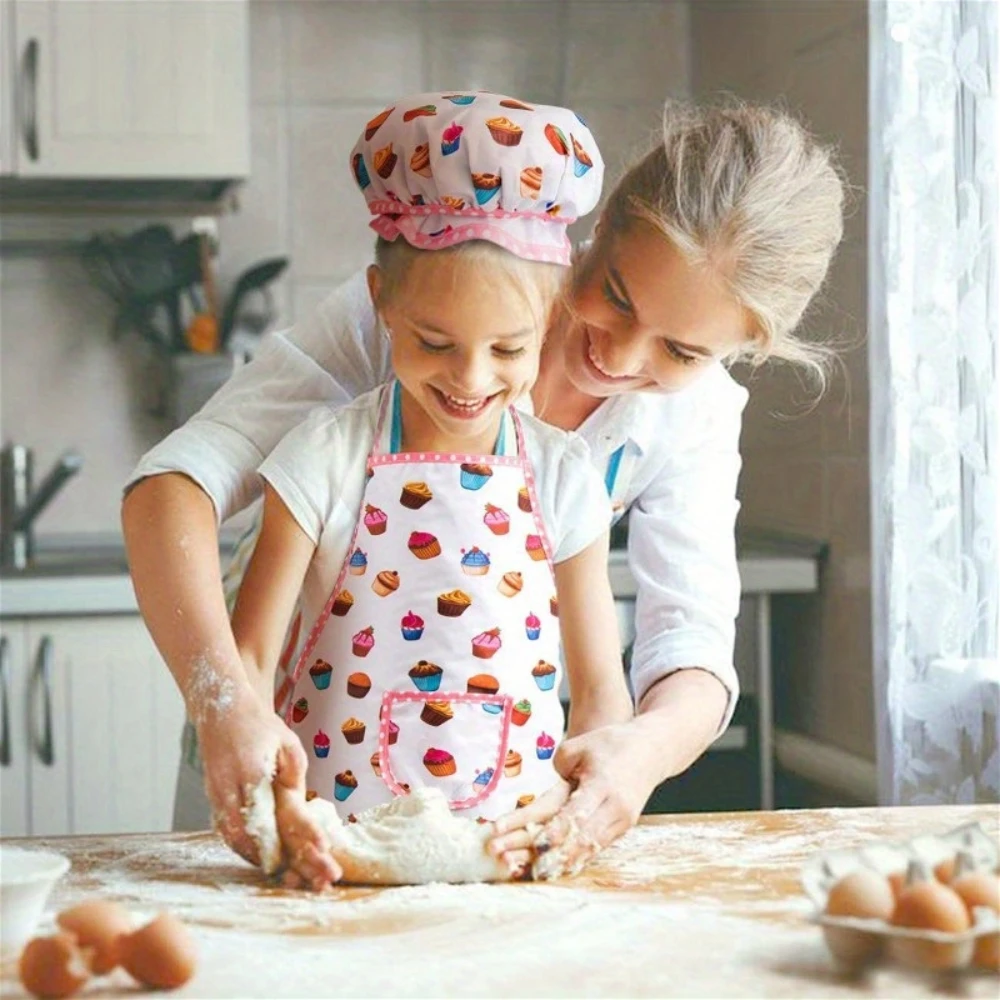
(137, 273)
(203, 331)
(253, 279)
(26, 879)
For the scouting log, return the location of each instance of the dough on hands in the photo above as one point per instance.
(261, 825)
(412, 840)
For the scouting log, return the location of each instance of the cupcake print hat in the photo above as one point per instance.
(443, 168)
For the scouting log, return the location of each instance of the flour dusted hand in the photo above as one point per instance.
(241, 748)
(412, 840)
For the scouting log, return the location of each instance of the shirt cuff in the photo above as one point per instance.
(644, 675)
(220, 460)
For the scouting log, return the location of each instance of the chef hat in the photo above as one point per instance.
(443, 168)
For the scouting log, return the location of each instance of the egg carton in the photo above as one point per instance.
(854, 941)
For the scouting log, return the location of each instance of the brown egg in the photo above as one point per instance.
(863, 894)
(981, 888)
(978, 889)
(98, 924)
(931, 906)
(53, 967)
(161, 954)
(926, 904)
(944, 871)
(897, 880)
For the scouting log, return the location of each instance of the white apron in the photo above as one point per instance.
(436, 659)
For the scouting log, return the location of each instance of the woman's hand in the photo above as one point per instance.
(242, 745)
(613, 771)
(607, 777)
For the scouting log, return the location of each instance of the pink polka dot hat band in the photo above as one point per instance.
(440, 169)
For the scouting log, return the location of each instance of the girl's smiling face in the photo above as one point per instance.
(645, 318)
(463, 348)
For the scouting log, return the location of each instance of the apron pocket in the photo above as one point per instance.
(454, 741)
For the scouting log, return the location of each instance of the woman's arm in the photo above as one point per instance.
(171, 539)
(683, 558)
(591, 643)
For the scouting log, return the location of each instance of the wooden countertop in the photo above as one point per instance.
(683, 906)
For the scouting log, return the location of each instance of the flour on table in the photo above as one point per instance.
(412, 840)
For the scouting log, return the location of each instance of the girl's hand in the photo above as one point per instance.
(611, 777)
(310, 865)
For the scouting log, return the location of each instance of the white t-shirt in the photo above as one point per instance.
(677, 475)
(318, 470)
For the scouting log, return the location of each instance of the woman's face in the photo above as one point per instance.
(645, 318)
(463, 349)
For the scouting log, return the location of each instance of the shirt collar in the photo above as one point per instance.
(620, 420)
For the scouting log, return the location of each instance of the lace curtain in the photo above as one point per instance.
(935, 412)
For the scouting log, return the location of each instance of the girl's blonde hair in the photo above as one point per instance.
(747, 190)
(536, 282)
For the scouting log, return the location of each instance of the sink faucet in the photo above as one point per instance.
(20, 505)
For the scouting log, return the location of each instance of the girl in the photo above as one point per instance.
(428, 525)
(709, 248)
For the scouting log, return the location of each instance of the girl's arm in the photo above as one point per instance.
(591, 642)
(269, 590)
(264, 608)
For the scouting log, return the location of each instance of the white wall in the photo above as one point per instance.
(319, 70)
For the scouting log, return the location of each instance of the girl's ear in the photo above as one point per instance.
(374, 276)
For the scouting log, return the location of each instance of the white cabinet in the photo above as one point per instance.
(15, 751)
(7, 81)
(91, 722)
(142, 89)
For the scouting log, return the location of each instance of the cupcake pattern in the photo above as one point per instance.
(437, 166)
(444, 670)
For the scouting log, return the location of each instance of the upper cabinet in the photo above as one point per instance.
(131, 89)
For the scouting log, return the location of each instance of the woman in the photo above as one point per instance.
(709, 249)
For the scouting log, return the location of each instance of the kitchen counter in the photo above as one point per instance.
(682, 906)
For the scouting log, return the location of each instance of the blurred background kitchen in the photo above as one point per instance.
(161, 163)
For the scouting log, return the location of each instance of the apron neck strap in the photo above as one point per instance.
(391, 406)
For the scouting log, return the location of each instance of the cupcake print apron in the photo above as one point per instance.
(436, 659)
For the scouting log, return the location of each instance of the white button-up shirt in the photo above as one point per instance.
(676, 474)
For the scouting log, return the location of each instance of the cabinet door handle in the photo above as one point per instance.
(28, 98)
(43, 675)
(4, 706)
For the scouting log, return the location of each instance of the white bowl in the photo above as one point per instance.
(26, 879)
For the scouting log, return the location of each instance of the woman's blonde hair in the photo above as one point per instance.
(536, 282)
(747, 190)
